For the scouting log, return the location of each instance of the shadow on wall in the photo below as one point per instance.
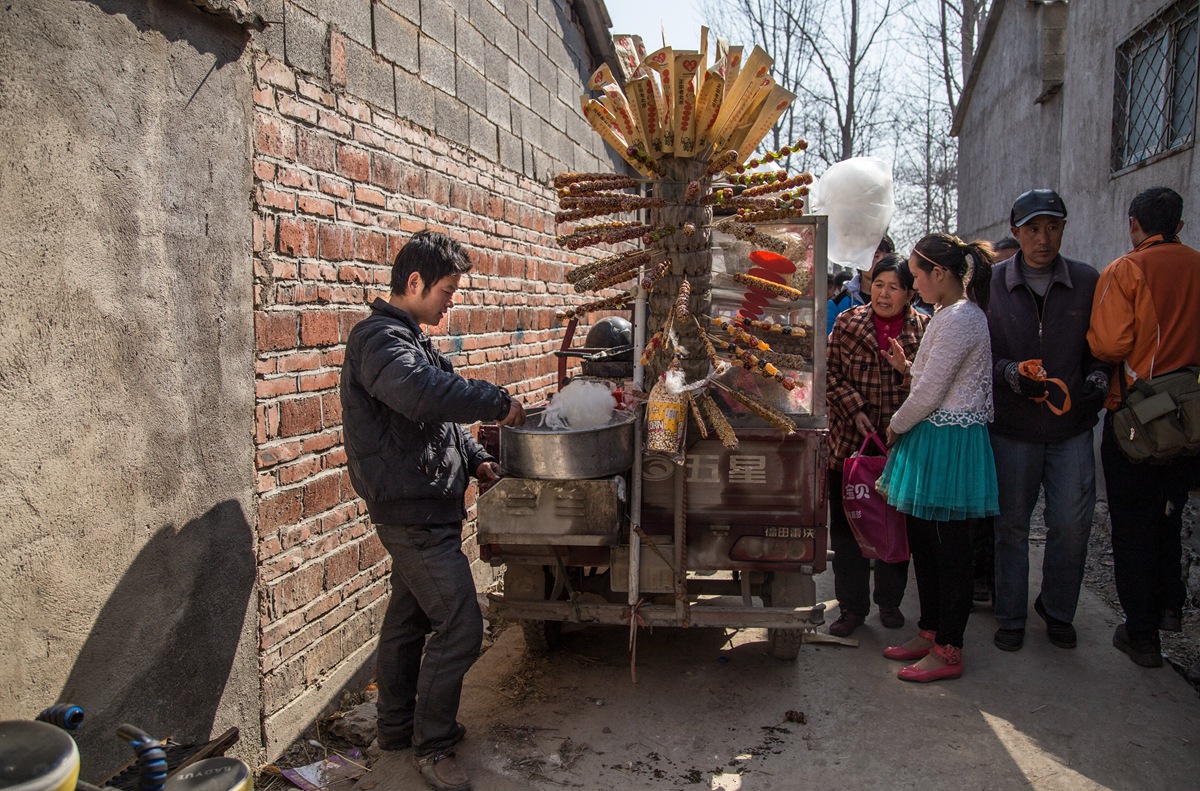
(178, 21)
(163, 646)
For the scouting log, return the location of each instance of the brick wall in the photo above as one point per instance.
(373, 120)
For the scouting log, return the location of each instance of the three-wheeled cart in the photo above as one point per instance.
(591, 528)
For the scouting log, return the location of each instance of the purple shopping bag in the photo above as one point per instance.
(877, 526)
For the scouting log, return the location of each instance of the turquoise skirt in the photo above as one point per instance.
(942, 473)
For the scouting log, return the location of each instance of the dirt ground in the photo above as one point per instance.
(710, 710)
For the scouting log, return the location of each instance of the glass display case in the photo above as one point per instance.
(794, 330)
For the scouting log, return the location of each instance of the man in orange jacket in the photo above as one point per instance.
(1145, 320)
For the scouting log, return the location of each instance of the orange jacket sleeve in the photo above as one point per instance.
(1110, 333)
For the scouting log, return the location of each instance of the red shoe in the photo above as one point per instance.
(951, 667)
(909, 654)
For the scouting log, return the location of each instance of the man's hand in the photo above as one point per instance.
(863, 424)
(489, 472)
(1023, 385)
(515, 416)
(1094, 393)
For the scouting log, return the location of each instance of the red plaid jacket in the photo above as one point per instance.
(859, 379)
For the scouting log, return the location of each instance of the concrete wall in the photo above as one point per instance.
(126, 377)
(1008, 144)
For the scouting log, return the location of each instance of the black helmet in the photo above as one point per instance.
(1030, 204)
(610, 333)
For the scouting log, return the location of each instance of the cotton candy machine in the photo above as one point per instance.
(562, 484)
(538, 451)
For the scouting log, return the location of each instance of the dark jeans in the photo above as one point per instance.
(983, 550)
(433, 594)
(941, 556)
(1145, 504)
(1066, 470)
(851, 571)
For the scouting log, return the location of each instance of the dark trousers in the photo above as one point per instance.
(983, 550)
(1145, 504)
(851, 571)
(941, 556)
(433, 593)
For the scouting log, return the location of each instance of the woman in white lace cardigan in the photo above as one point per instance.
(941, 471)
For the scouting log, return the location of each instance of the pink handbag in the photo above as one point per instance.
(878, 527)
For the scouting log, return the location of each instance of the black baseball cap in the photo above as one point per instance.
(1030, 204)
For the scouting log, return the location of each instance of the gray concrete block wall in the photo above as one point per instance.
(520, 65)
(1009, 144)
(396, 38)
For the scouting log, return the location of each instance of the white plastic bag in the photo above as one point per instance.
(857, 196)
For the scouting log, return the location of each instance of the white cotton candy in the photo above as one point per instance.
(580, 405)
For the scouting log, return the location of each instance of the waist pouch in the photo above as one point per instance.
(1160, 417)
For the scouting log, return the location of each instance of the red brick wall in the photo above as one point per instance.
(340, 184)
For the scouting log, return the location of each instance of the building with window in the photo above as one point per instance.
(1095, 99)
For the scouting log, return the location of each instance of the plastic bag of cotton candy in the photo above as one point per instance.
(857, 195)
(580, 405)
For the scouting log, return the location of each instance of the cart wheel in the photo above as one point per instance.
(788, 589)
(534, 583)
(784, 643)
(541, 637)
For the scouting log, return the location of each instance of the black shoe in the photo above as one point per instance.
(1171, 620)
(1009, 639)
(404, 742)
(891, 617)
(983, 590)
(1145, 652)
(1061, 633)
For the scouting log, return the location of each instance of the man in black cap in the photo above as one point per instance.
(1038, 319)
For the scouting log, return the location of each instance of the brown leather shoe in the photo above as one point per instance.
(846, 623)
(442, 772)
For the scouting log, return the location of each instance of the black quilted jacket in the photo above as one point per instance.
(402, 406)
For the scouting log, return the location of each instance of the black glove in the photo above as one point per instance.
(1094, 392)
(1023, 385)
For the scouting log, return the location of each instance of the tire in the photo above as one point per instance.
(784, 643)
(542, 637)
(534, 583)
(788, 589)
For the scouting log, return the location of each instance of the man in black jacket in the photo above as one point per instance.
(409, 458)
(1039, 310)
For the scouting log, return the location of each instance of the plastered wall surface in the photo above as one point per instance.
(127, 573)
(1009, 144)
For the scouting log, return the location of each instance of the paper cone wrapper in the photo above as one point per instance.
(749, 81)
(777, 101)
(661, 62)
(687, 63)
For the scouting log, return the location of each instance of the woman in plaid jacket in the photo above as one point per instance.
(865, 385)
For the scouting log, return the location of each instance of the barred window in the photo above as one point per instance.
(1155, 99)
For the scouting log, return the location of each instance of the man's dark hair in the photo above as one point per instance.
(1006, 243)
(1158, 210)
(433, 256)
(842, 278)
(886, 245)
